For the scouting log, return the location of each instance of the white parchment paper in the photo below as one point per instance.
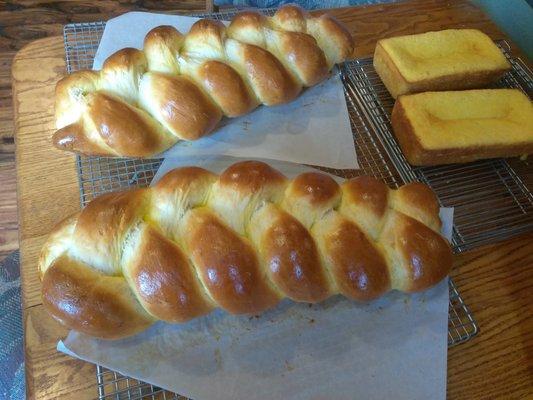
(395, 347)
(313, 129)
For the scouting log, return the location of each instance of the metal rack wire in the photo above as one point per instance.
(510, 203)
(112, 385)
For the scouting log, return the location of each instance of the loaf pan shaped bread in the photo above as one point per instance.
(435, 128)
(452, 59)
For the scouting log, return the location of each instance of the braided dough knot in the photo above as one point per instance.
(241, 241)
(180, 86)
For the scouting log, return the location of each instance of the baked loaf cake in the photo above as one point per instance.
(452, 59)
(241, 241)
(180, 86)
(454, 127)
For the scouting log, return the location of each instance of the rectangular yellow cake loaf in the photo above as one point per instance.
(436, 128)
(452, 59)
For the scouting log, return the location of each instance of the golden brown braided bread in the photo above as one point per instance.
(180, 86)
(241, 241)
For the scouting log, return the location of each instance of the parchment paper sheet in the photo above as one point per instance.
(395, 347)
(313, 129)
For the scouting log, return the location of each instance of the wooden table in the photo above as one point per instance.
(494, 281)
(24, 21)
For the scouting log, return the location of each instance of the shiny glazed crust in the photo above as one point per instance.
(397, 84)
(240, 241)
(180, 86)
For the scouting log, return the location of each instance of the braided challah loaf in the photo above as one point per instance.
(241, 241)
(180, 86)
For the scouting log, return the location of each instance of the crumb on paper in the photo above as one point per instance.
(218, 357)
(289, 366)
(407, 301)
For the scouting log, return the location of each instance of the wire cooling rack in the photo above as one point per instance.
(477, 191)
(491, 201)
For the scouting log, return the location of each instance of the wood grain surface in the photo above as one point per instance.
(24, 21)
(494, 281)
